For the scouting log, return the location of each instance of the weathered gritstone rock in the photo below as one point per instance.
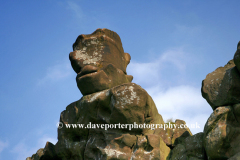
(236, 111)
(106, 145)
(194, 146)
(125, 104)
(190, 148)
(171, 136)
(221, 89)
(179, 134)
(37, 155)
(99, 61)
(49, 152)
(109, 98)
(166, 135)
(236, 57)
(222, 134)
(150, 147)
(178, 153)
(235, 157)
(222, 86)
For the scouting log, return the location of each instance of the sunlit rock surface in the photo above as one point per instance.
(110, 101)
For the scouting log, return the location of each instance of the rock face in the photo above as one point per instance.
(222, 86)
(99, 61)
(222, 134)
(118, 120)
(221, 89)
(125, 104)
(236, 57)
(190, 148)
(115, 118)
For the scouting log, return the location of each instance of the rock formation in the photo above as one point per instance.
(117, 119)
(221, 89)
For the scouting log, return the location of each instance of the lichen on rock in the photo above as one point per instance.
(110, 99)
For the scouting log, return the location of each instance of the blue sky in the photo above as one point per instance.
(173, 45)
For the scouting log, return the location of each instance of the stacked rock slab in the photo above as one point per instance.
(221, 89)
(110, 99)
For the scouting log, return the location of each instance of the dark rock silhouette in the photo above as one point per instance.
(236, 57)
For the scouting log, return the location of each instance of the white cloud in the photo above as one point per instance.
(182, 102)
(176, 57)
(45, 138)
(57, 72)
(22, 150)
(176, 101)
(173, 60)
(142, 70)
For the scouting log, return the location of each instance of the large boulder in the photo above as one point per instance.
(174, 132)
(124, 104)
(115, 119)
(113, 114)
(222, 87)
(166, 135)
(150, 147)
(222, 133)
(190, 148)
(180, 133)
(99, 61)
(194, 146)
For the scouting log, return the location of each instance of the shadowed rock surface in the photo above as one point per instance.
(190, 148)
(236, 57)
